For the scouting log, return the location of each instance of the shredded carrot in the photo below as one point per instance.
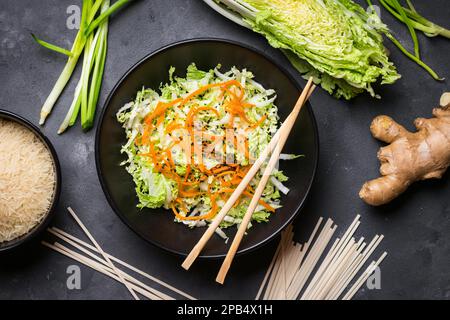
(182, 204)
(226, 190)
(243, 172)
(206, 109)
(248, 105)
(231, 122)
(199, 91)
(266, 205)
(191, 194)
(159, 120)
(173, 126)
(210, 186)
(188, 172)
(202, 167)
(224, 173)
(169, 155)
(160, 109)
(209, 86)
(261, 202)
(259, 122)
(220, 169)
(190, 183)
(207, 216)
(194, 111)
(171, 145)
(225, 183)
(248, 194)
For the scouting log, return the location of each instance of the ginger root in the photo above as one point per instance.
(409, 157)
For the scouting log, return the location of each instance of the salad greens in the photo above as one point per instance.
(335, 41)
(196, 185)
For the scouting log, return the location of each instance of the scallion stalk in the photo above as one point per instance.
(97, 73)
(51, 46)
(410, 5)
(397, 43)
(416, 20)
(413, 57)
(407, 22)
(77, 49)
(116, 6)
(95, 50)
(62, 80)
(97, 76)
(74, 109)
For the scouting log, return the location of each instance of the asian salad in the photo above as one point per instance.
(229, 117)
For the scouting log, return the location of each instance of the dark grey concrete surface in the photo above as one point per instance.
(416, 225)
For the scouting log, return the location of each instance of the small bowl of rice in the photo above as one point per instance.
(30, 180)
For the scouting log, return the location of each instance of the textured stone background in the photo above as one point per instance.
(416, 226)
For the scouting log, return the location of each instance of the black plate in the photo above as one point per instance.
(157, 226)
(6, 246)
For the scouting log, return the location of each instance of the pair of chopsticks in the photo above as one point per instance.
(89, 255)
(274, 148)
(103, 254)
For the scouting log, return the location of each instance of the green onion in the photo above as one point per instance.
(417, 21)
(96, 65)
(413, 57)
(90, 48)
(96, 81)
(92, 38)
(52, 46)
(62, 80)
(105, 15)
(94, 9)
(396, 5)
(397, 43)
(410, 5)
(74, 109)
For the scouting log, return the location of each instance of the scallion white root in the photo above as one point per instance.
(60, 83)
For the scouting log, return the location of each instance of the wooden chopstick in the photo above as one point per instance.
(70, 239)
(111, 265)
(90, 255)
(241, 187)
(98, 267)
(262, 184)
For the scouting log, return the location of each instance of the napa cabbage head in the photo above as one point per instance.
(336, 42)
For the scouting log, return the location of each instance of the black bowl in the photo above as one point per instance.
(157, 226)
(9, 245)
